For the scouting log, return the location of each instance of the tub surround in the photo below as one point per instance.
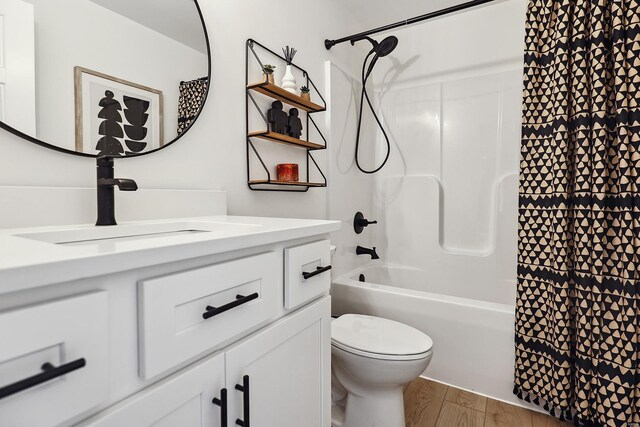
(167, 322)
(446, 202)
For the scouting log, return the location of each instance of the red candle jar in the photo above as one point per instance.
(288, 172)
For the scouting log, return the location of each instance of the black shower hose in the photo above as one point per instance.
(364, 95)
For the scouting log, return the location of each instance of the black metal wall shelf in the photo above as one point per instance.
(275, 92)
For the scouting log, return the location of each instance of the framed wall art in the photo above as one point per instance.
(116, 117)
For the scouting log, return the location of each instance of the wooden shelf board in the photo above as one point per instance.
(285, 139)
(296, 184)
(276, 92)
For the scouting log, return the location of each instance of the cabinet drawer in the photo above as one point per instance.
(53, 360)
(185, 314)
(312, 258)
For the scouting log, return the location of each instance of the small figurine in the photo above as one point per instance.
(294, 124)
(277, 118)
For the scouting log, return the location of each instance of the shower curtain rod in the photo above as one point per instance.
(356, 37)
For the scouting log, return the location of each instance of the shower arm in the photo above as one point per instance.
(357, 39)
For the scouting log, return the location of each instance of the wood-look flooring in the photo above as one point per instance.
(431, 404)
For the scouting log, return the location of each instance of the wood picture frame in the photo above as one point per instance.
(114, 116)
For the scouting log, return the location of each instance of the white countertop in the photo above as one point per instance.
(27, 261)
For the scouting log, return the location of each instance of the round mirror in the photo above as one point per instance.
(102, 77)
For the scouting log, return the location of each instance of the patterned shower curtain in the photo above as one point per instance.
(192, 96)
(578, 307)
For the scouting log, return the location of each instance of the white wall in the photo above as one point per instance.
(212, 154)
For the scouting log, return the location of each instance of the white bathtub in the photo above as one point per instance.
(473, 339)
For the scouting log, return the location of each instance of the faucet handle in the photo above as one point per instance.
(360, 222)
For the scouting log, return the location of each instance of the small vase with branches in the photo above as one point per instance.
(289, 80)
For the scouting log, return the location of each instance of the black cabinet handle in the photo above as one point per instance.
(222, 403)
(319, 270)
(246, 408)
(240, 299)
(50, 372)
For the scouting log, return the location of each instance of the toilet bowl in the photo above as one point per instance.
(372, 359)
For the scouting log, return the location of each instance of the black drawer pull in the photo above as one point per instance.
(240, 299)
(319, 270)
(244, 388)
(50, 372)
(222, 403)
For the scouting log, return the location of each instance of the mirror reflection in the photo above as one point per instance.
(102, 77)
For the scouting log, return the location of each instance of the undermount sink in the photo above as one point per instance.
(135, 232)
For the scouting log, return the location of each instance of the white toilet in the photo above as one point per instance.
(372, 359)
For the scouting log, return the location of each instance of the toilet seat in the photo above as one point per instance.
(389, 357)
(379, 338)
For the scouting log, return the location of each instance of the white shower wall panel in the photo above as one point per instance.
(413, 119)
(447, 199)
(465, 134)
(412, 221)
(469, 148)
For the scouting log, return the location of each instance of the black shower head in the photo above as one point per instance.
(383, 48)
(386, 46)
(380, 49)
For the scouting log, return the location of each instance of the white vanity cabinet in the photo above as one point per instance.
(233, 334)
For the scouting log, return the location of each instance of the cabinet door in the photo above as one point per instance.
(287, 368)
(184, 399)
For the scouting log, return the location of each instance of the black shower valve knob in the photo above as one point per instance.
(360, 222)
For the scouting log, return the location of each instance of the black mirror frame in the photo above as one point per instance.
(41, 143)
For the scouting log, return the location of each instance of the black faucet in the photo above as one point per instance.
(366, 251)
(106, 184)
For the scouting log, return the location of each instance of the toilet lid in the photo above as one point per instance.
(378, 336)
